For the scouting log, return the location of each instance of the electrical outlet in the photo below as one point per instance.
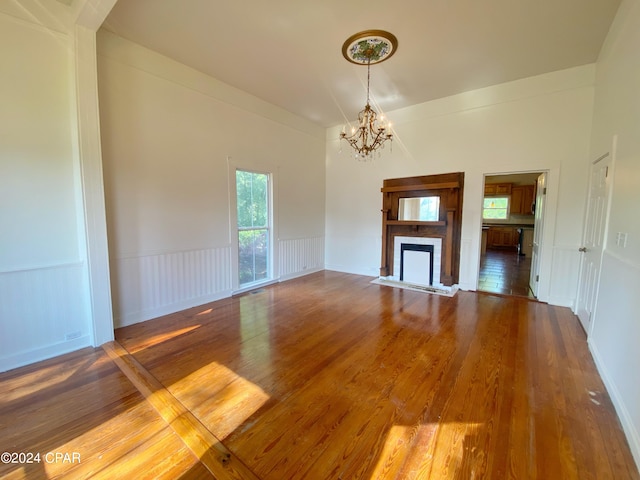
(621, 239)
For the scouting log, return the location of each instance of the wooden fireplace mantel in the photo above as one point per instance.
(449, 187)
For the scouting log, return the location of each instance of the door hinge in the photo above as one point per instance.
(606, 171)
(544, 191)
(537, 278)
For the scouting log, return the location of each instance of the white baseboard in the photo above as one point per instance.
(302, 273)
(143, 316)
(44, 353)
(632, 434)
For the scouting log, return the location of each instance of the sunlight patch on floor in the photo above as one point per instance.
(224, 401)
(164, 337)
(435, 450)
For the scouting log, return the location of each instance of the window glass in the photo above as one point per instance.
(495, 208)
(253, 226)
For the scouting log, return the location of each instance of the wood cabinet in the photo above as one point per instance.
(497, 189)
(521, 199)
(522, 196)
(502, 237)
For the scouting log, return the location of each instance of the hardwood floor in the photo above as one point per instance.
(326, 377)
(505, 272)
(82, 405)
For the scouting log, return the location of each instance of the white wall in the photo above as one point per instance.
(536, 124)
(44, 300)
(169, 137)
(616, 324)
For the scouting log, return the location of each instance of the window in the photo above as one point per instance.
(252, 191)
(495, 208)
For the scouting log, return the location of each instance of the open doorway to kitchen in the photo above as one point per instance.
(508, 224)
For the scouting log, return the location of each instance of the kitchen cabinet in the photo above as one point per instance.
(497, 189)
(521, 199)
(502, 237)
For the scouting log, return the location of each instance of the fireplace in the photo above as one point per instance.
(431, 230)
(417, 260)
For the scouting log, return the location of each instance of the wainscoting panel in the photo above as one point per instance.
(44, 312)
(564, 276)
(468, 275)
(614, 340)
(300, 256)
(149, 286)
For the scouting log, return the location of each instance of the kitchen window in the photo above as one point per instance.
(495, 208)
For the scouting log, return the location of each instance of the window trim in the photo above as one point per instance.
(272, 171)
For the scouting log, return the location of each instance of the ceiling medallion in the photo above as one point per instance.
(367, 48)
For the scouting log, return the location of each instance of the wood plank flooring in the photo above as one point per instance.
(506, 272)
(327, 377)
(81, 404)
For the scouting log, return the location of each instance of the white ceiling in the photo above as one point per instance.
(288, 52)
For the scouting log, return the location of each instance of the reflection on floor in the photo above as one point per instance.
(506, 272)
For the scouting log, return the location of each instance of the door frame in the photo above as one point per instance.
(273, 260)
(611, 155)
(548, 229)
(538, 233)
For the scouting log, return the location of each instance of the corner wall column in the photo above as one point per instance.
(92, 184)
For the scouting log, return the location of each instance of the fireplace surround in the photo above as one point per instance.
(446, 229)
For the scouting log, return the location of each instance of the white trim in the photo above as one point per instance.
(44, 353)
(552, 184)
(273, 261)
(59, 30)
(435, 242)
(90, 153)
(623, 260)
(302, 273)
(47, 266)
(164, 251)
(633, 436)
(255, 286)
(131, 318)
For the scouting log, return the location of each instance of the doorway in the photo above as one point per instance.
(508, 233)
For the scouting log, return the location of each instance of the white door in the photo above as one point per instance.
(593, 238)
(536, 250)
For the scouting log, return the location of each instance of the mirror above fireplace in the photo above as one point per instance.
(425, 209)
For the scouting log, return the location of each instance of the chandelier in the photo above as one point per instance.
(366, 48)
